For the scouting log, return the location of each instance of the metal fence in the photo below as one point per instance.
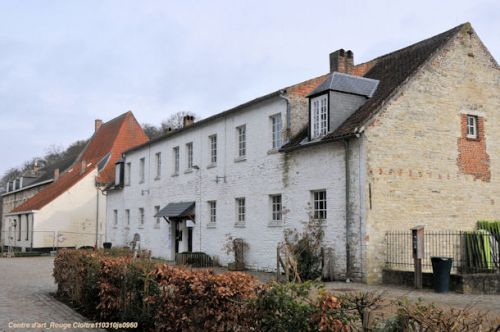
(43, 240)
(472, 252)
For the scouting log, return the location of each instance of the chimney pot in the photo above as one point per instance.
(187, 120)
(342, 61)
(98, 124)
(56, 174)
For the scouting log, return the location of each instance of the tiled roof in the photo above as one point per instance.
(113, 137)
(392, 70)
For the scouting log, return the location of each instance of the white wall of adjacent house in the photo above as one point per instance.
(262, 172)
(67, 221)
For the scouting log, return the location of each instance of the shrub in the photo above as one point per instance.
(306, 249)
(201, 300)
(292, 307)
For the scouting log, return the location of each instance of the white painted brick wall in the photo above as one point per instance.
(262, 173)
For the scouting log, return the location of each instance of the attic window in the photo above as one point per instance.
(319, 116)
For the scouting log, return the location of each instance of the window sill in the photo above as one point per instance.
(472, 138)
(211, 225)
(157, 178)
(189, 170)
(141, 227)
(157, 226)
(213, 165)
(141, 182)
(275, 224)
(273, 151)
(175, 174)
(126, 227)
(240, 159)
(239, 225)
(115, 227)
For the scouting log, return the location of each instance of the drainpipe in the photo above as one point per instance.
(97, 218)
(288, 115)
(347, 209)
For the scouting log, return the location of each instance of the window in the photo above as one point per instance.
(240, 210)
(19, 228)
(212, 211)
(189, 150)
(127, 174)
(157, 210)
(127, 217)
(158, 165)
(213, 149)
(319, 205)
(141, 170)
(115, 217)
(242, 140)
(319, 116)
(176, 160)
(276, 208)
(141, 216)
(276, 130)
(27, 227)
(471, 126)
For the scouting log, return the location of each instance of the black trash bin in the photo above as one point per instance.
(441, 267)
(107, 245)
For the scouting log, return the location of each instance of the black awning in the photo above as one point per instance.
(172, 210)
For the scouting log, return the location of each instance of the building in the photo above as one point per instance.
(29, 184)
(408, 138)
(70, 211)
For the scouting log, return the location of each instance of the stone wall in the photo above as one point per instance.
(412, 152)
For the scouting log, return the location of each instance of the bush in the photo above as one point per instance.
(292, 307)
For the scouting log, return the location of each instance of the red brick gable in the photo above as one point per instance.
(114, 136)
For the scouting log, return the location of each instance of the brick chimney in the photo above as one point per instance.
(56, 174)
(342, 61)
(187, 121)
(98, 124)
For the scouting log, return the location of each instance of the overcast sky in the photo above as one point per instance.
(65, 63)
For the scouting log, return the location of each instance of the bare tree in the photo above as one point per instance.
(175, 121)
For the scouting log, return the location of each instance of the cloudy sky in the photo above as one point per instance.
(65, 63)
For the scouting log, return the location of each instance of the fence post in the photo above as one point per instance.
(417, 236)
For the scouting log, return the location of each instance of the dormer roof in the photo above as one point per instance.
(348, 84)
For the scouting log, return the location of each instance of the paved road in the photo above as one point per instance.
(25, 284)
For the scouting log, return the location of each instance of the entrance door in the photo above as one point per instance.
(178, 235)
(190, 239)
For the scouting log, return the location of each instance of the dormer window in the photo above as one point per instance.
(319, 116)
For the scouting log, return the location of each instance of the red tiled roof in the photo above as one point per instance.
(114, 136)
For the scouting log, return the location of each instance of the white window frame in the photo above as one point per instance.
(240, 210)
(141, 217)
(472, 131)
(127, 217)
(189, 156)
(142, 169)
(276, 208)
(212, 139)
(115, 217)
(176, 158)
(276, 128)
(158, 165)
(128, 171)
(241, 134)
(319, 205)
(319, 116)
(158, 219)
(212, 212)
